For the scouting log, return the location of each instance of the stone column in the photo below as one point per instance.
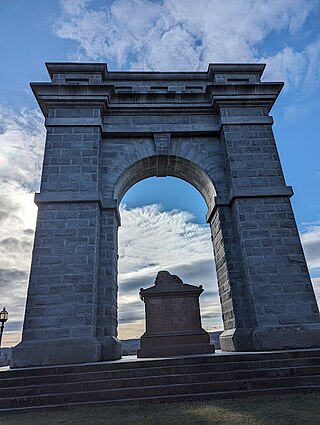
(107, 321)
(61, 312)
(270, 276)
(236, 302)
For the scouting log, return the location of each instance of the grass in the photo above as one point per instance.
(295, 409)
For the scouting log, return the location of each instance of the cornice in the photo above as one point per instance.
(92, 86)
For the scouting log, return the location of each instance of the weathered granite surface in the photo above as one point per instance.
(173, 321)
(108, 130)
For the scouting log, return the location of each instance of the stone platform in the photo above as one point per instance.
(219, 375)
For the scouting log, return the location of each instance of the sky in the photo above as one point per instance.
(163, 219)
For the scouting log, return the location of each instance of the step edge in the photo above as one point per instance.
(171, 376)
(155, 387)
(147, 368)
(305, 388)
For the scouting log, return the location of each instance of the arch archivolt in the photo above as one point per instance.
(177, 167)
(199, 161)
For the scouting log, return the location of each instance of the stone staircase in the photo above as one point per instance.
(169, 379)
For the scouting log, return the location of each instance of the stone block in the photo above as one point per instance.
(55, 352)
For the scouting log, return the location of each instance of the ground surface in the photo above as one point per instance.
(264, 410)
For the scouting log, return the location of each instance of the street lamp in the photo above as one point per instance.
(3, 318)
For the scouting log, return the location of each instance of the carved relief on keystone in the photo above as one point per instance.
(162, 142)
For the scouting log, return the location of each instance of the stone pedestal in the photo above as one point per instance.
(173, 322)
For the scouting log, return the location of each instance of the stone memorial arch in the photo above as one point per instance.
(108, 130)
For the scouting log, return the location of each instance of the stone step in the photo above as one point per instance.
(160, 390)
(155, 363)
(10, 379)
(176, 378)
(115, 382)
(170, 398)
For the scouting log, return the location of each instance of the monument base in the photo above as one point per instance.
(286, 337)
(175, 345)
(110, 348)
(236, 340)
(268, 338)
(56, 352)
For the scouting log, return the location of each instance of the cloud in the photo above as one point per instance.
(22, 137)
(295, 67)
(150, 240)
(176, 35)
(17, 222)
(310, 238)
(166, 231)
(316, 285)
(22, 143)
(74, 7)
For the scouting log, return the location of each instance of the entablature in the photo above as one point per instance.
(83, 85)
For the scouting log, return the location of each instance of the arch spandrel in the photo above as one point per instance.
(197, 160)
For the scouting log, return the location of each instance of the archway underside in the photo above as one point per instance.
(161, 166)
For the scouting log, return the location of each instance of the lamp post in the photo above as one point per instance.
(3, 318)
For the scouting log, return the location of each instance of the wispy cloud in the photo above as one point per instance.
(22, 137)
(295, 67)
(316, 285)
(310, 237)
(17, 222)
(176, 35)
(22, 143)
(75, 7)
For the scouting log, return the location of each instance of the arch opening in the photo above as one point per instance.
(152, 238)
(175, 167)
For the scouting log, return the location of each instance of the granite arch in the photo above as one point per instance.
(102, 125)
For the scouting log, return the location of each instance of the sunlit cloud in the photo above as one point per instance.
(296, 68)
(22, 138)
(17, 221)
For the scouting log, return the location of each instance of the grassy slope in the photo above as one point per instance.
(264, 410)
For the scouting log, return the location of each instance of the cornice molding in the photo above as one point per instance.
(83, 85)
